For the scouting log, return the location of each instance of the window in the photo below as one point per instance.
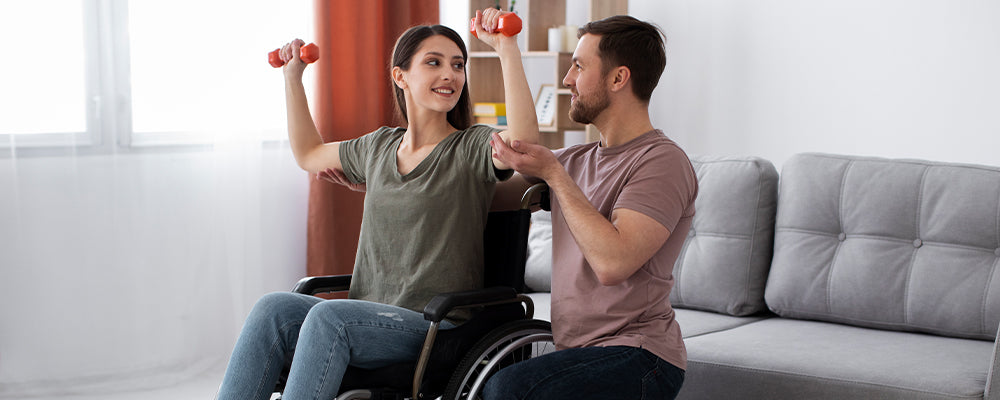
(43, 89)
(141, 73)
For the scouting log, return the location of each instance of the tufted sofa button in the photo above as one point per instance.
(917, 243)
(691, 232)
(842, 236)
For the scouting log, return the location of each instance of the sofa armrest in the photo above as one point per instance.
(312, 285)
(442, 304)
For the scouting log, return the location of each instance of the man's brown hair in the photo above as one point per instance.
(637, 45)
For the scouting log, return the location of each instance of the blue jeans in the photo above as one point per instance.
(616, 372)
(324, 336)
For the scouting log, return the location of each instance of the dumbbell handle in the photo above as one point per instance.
(308, 54)
(509, 25)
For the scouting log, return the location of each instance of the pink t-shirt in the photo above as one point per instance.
(653, 176)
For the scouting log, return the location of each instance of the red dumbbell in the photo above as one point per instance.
(509, 25)
(308, 54)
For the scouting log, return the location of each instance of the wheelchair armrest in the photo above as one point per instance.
(442, 304)
(544, 201)
(323, 284)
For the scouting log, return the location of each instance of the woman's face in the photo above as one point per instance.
(436, 76)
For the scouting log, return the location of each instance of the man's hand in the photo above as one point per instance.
(336, 176)
(528, 159)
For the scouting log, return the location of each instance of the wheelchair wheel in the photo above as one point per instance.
(508, 344)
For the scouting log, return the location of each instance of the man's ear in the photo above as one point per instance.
(397, 77)
(619, 78)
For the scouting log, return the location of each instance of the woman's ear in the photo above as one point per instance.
(398, 78)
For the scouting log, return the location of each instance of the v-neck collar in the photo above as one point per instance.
(424, 164)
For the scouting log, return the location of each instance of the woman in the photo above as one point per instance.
(429, 186)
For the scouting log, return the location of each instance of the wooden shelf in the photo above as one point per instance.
(524, 54)
(485, 76)
(543, 129)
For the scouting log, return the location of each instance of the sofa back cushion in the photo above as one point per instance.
(891, 244)
(724, 262)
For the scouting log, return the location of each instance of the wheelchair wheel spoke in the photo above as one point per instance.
(512, 343)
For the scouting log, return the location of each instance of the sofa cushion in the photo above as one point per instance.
(696, 323)
(724, 262)
(780, 358)
(891, 244)
(543, 305)
(538, 267)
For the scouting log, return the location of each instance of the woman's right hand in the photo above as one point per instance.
(290, 53)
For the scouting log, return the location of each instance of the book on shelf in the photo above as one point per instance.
(498, 120)
(489, 109)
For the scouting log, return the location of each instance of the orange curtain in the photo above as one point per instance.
(353, 97)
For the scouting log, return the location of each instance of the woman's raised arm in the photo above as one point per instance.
(522, 122)
(307, 145)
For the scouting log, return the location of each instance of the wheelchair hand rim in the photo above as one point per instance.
(532, 338)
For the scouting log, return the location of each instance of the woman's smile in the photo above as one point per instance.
(444, 91)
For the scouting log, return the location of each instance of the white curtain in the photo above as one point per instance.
(126, 263)
(136, 270)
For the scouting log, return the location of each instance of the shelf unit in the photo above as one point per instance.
(485, 75)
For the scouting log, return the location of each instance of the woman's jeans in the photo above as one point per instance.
(616, 372)
(325, 336)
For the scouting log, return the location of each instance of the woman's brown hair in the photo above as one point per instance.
(406, 46)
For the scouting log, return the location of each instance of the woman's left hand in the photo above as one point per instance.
(486, 25)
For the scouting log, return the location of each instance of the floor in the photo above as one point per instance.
(203, 386)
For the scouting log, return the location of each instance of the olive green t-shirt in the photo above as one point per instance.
(421, 233)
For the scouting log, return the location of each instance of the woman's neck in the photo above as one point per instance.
(427, 128)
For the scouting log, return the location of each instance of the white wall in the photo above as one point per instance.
(131, 270)
(771, 78)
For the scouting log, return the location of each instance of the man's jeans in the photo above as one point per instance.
(324, 336)
(617, 372)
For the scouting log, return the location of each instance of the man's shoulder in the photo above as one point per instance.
(660, 142)
(661, 148)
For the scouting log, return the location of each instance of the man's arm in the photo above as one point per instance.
(615, 249)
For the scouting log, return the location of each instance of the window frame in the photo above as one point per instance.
(108, 98)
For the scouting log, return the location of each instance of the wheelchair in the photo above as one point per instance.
(455, 363)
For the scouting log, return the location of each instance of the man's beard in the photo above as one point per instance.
(585, 113)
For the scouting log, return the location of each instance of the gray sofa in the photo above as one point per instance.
(856, 278)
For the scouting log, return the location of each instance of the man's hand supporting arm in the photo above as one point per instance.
(615, 249)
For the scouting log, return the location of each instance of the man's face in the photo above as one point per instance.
(586, 81)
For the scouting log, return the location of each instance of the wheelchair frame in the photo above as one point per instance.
(440, 305)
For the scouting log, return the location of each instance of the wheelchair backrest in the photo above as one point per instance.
(505, 248)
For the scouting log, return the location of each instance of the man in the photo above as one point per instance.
(621, 210)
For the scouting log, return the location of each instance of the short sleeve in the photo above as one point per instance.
(480, 153)
(356, 154)
(662, 186)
